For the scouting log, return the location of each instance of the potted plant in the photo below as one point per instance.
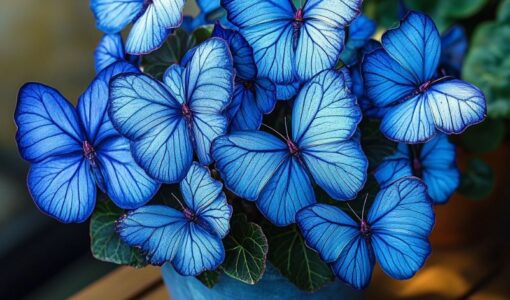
(279, 152)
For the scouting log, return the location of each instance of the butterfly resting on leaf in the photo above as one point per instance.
(73, 150)
(191, 238)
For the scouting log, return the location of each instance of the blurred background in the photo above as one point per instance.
(52, 42)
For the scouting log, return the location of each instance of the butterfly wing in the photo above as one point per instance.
(401, 218)
(205, 197)
(415, 45)
(287, 91)
(149, 115)
(288, 191)
(455, 105)
(269, 32)
(109, 50)
(113, 15)
(117, 173)
(391, 170)
(252, 103)
(324, 117)
(439, 170)
(247, 161)
(337, 238)
(454, 45)
(47, 124)
(155, 24)
(209, 85)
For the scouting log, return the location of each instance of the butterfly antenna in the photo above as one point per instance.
(363, 209)
(274, 130)
(178, 201)
(286, 127)
(354, 212)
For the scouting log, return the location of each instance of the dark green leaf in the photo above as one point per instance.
(477, 181)
(105, 243)
(487, 66)
(209, 278)
(375, 145)
(484, 137)
(173, 50)
(504, 12)
(246, 250)
(301, 265)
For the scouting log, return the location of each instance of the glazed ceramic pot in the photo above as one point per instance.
(273, 286)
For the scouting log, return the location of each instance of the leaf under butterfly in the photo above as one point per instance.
(290, 255)
(246, 251)
(209, 278)
(105, 243)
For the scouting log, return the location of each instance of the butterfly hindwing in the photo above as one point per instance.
(113, 15)
(247, 160)
(109, 50)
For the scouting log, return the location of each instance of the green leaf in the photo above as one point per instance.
(246, 250)
(504, 12)
(374, 144)
(105, 243)
(209, 278)
(301, 265)
(385, 12)
(173, 50)
(484, 137)
(487, 66)
(477, 181)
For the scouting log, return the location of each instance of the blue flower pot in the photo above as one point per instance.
(273, 286)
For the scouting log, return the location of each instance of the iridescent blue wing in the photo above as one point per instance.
(321, 36)
(247, 161)
(455, 105)
(360, 32)
(415, 45)
(339, 168)
(63, 187)
(113, 15)
(440, 172)
(324, 111)
(109, 50)
(393, 169)
(287, 91)
(288, 191)
(337, 238)
(269, 32)
(251, 103)
(150, 116)
(154, 25)
(47, 124)
(401, 219)
(205, 197)
(209, 85)
(242, 53)
(117, 173)
(208, 6)
(409, 122)
(164, 234)
(324, 117)
(454, 44)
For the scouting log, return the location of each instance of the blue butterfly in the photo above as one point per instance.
(72, 150)
(166, 121)
(253, 96)
(257, 166)
(287, 91)
(401, 76)
(190, 239)
(290, 42)
(110, 50)
(434, 162)
(454, 46)
(395, 233)
(152, 20)
(359, 33)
